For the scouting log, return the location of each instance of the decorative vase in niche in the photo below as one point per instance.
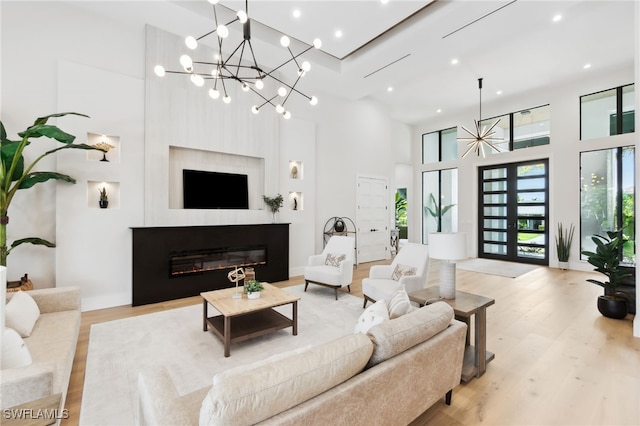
(103, 204)
(294, 172)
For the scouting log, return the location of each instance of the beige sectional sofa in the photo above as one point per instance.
(388, 376)
(52, 346)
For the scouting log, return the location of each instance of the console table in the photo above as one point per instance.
(465, 305)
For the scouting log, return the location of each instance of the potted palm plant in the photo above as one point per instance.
(17, 174)
(564, 238)
(606, 259)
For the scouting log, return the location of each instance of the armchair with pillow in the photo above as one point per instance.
(409, 269)
(332, 268)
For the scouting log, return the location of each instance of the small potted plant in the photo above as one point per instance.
(104, 198)
(606, 259)
(564, 238)
(274, 204)
(253, 289)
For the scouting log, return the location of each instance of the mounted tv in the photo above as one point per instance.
(214, 190)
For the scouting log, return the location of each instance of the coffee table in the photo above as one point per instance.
(465, 305)
(242, 319)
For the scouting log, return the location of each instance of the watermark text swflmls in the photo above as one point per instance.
(35, 413)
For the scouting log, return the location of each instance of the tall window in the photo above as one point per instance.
(607, 197)
(607, 113)
(521, 129)
(440, 146)
(439, 202)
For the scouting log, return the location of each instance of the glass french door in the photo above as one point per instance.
(513, 212)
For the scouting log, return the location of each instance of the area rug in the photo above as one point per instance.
(496, 267)
(174, 339)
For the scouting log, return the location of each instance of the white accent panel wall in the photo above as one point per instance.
(94, 244)
(179, 114)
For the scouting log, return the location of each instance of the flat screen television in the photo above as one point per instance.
(214, 190)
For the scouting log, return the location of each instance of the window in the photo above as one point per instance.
(440, 146)
(607, 113)
(607, 197)
(439, 202)
(521, 129)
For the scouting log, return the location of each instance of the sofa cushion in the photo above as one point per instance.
(397, 335)
(21, 313)
(334, 259)
(14, 352)
(399, 304)
(374, 314)
(253, 396)
(402, 271)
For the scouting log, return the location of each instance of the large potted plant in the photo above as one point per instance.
(606, 259)
(564, 238)
(15, 174)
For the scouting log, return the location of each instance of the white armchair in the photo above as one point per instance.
(334, 267)
(413, 266)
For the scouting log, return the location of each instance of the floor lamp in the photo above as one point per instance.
(448, 247)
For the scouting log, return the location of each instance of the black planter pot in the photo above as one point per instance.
(103, 204)
(612, 308)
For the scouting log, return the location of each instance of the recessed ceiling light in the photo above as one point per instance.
(587, 66)
(438, 110)
(338, 33)
(557, 18)
(389, 89)
(384, 1)
(454, 61)
(296, 13)
(499, 92)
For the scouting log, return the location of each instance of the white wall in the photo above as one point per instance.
(71, 46)
(563, 153)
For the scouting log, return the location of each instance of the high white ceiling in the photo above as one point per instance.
(515, 46)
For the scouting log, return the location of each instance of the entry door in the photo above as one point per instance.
(513, 212)
(372, 219)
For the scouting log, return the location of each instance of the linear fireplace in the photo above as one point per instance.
(175, 262)
(226, 258)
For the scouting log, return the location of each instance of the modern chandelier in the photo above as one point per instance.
(481, 137)
(241, 67)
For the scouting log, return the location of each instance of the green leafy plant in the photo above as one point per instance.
(103, 194)
(15, 174)
(253, 286)
(401, 210)
(564, 238)
(606, 260)
(436, 211)
(274, 203)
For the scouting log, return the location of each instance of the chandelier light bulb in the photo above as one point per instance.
(242, 16)
(313, 100)
(214, 93)
(186, 62)
(287, 115)
(226, 99)
(317, 43)
(284, 41)
(197, 80)
(223, 31)
(215, 73)
(159, 70)
(191, 42)
(255, 109)
(282, 92)
(279, 109)
(306, 66)
(245, 87)
(214, 1)
(259, 84)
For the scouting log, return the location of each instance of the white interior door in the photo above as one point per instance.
(372, 219)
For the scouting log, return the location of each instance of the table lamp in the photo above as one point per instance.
(449, 247)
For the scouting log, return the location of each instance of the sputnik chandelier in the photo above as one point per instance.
(231, 68)
(481, 137)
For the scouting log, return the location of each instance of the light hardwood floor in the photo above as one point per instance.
(558, 361)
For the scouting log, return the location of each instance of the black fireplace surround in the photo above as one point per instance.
(175, 262)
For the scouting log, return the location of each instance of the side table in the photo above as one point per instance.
(465, 305)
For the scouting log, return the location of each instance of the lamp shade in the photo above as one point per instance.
(448, 246)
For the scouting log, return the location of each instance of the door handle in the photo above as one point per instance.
(373, 229)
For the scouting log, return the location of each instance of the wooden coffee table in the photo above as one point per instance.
(243, 319)
(465, 305)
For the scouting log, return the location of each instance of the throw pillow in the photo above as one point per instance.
(399, 304)
(373, 315)
(334, 259)
(402, 271)
(14, 352)
(22, 313)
